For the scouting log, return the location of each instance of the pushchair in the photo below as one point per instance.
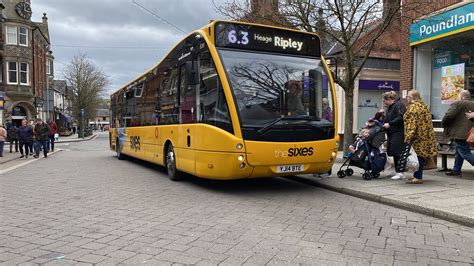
(367, 156)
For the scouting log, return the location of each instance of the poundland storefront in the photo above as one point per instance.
(444, 56)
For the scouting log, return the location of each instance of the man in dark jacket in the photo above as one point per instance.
(42, 132)
(393, 124)
(456, 127)
(25, 135)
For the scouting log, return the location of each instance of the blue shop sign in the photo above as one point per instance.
(454, 21)
(380, 85)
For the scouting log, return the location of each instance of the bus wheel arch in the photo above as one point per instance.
(170, 162)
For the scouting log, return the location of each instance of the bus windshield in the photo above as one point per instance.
(278, 90)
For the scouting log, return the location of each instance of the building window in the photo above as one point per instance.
(12, 69)
(23, 34)
(24, 74)
(11, 35)
(49, 67)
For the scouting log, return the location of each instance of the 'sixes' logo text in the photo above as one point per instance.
(293, 152)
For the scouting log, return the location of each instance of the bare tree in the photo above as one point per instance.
(88, 83)
(348, 28)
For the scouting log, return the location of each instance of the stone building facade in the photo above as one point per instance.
(26, 63)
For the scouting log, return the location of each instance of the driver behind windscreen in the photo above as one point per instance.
(294, 103)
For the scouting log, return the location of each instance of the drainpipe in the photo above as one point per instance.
(33, 66)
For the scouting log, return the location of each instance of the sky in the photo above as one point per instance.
(118, 36)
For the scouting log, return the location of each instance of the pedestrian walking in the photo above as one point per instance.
(419, 133)
(33, 145)
(13, 137)
(42, 132)
(25, 136)
(52, 135)
(456, 127)
(3, 137)
(393, 124)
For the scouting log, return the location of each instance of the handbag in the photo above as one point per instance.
(470, 136)
(431, 162)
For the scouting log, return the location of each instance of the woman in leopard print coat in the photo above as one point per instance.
(419, 132)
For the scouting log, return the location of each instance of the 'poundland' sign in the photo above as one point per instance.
(448, 23)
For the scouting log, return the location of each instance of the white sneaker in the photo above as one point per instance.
(389, 174)
(398, 176)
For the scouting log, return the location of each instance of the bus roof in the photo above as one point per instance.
(207, 30)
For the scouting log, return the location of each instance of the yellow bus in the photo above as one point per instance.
(232, 100)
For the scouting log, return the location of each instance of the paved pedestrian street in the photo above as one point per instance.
(82, 205)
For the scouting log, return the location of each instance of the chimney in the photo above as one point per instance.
(45, 18)
(264, 7)
(390, 6)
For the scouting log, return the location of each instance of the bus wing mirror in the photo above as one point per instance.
(192, 73)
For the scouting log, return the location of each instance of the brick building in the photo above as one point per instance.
(26, 63)
(437, 56)
(381, 72)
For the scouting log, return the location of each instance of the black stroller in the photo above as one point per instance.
(367, 156)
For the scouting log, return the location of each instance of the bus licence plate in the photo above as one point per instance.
(290, 168)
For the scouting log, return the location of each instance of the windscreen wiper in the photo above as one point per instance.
(266, 127)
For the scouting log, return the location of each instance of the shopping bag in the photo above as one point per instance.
(412, 161)
(431, 162)
(470, 136)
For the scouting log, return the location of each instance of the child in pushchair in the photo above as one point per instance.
(365, 152)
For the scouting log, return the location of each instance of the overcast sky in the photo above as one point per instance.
(117, 35)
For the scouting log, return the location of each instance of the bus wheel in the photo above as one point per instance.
(118, 151)
(173, 173)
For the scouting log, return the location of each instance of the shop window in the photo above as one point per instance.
(24, 74)
(444, 68)
(11, 35)
(12, 72)
(23, 36)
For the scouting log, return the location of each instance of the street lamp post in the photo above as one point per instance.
(82, 123)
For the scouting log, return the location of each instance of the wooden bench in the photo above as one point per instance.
(445, 147)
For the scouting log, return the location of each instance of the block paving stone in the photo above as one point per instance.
(102, 211)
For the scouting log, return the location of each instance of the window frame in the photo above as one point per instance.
(23, 34)
(8, 73)
(9, 35)
(27, 73)
(48, 63)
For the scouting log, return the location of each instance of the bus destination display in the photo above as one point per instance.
(239, 36)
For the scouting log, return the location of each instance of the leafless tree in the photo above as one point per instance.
(88, 83)
(348, 29)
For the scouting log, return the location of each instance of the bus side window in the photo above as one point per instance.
(187, 98)
(212, 103)
(169, 99)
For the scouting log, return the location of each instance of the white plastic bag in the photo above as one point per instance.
(389, 169)
(412, 161)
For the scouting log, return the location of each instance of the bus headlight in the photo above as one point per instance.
(337, 144)
(240, 158)
(239, 146)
